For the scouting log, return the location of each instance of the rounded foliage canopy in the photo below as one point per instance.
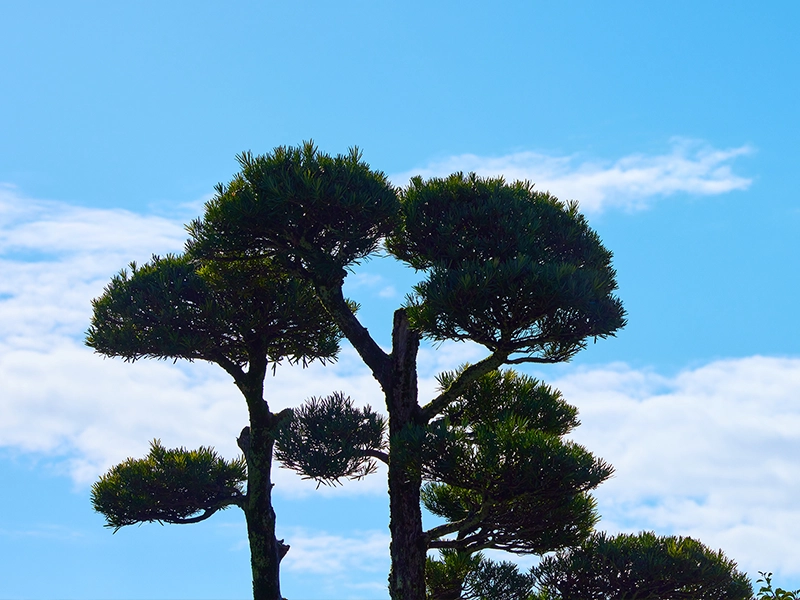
(513, 269)
(168, 486)
(497, 465)
(314, 213)
(641, 566)
(172, 307)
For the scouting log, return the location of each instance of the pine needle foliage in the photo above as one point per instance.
(174, 307)
(314, 213)
(458, 575)
(515, 270)
(499, 473)
(444, 578)
(327, 439)
(168, 486)
(503, 393)
(245, 315)
(641, 566)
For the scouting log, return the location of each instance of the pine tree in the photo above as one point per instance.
(513, 269)
(245, 316)
(640, 566)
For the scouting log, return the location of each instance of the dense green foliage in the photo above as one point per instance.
(499, 472)
(515, 270)
(314, 213)
(174, 307)
(459, 575)
(641, 567)
(327, 439)
(168, 486)
(244, 315)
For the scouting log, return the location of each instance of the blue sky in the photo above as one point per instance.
(674, 124)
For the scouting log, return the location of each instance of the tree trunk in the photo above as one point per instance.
(265, 550)
(407, 576)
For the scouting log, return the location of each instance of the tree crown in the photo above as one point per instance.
(176, 307)
(168, 485)
(515, 270)
(314, 213)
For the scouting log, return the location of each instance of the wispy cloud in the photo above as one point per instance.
(631, 182)
(340, 562)
(322, 553)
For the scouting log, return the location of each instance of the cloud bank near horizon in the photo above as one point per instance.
(632, 182)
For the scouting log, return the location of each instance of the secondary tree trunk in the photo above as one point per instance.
(407, 576)
(265, 550)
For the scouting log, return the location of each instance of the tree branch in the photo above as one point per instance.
(470, 374)
(441, 530)
(231, 368)
(534, 359)
(382, 456)
(206, 514)
(237, 500)
(468, 523)
(375, 358)
(472, 543)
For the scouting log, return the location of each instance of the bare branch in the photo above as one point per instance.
(471, 543)
(535, 359)
(381, 456)
(373, 355)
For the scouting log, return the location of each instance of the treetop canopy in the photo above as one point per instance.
(513, 269)
(312, 212)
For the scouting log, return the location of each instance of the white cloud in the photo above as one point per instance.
(342, 563)
(631, 182)
(711, 452)
(322, 553)
(44, 227)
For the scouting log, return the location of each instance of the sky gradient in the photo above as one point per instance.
(674, 125)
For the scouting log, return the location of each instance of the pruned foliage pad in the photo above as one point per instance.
(513, 269)
(641, 566)
(168, 486)
(499, 472)
(314, 213)
(174, 307)
(327, 439)
(457, 575)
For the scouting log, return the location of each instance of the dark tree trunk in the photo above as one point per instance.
(407, 576)
(265, 550)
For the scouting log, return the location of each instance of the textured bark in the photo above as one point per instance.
(407, 577)
(372, 354)
(257, 443)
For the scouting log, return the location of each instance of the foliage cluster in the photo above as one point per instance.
(327, 439)
(766, 592)
(514, 269)
(168, 486)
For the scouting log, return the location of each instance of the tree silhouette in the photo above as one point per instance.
(513, 269)
(641, 566)
(245, 316)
